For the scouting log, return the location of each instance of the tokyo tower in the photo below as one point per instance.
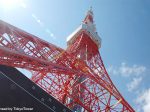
(76, 76)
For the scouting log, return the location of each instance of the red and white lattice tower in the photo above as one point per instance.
(75, 76)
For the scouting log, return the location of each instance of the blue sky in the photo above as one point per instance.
(124, 26)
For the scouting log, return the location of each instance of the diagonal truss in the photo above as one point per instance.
(79, 84)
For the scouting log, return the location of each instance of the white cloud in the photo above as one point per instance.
(126, 70)
(134, 84)
(143, 101)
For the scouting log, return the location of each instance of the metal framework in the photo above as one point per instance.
(75, 76)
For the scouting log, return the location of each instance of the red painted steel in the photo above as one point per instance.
(75, 76)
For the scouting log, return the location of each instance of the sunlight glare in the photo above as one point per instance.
(9, 4)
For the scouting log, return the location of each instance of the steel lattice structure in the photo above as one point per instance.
(75, 76)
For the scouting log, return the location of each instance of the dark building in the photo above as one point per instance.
(20, 93)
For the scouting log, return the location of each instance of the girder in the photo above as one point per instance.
(70, 76)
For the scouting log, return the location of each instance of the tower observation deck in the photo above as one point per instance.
(88, 26)
(76, 77)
